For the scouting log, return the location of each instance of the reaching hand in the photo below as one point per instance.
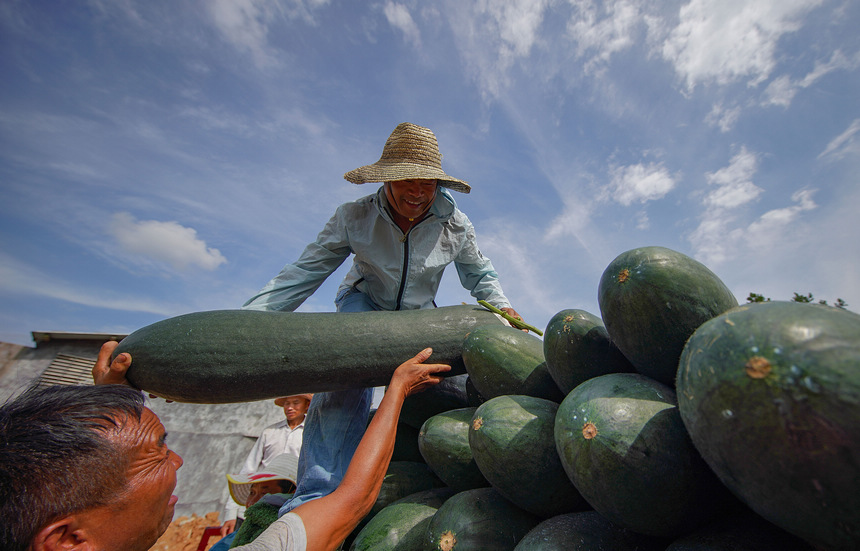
(113, 374)
(513, 313)
(414, 376)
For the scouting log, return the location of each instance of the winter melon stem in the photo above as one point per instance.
(519, 324)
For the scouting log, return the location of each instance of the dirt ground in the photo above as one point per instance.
(184, 533)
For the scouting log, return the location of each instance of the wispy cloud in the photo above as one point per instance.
(844, 144)
(19, 278)
(724, 41)
(245, 24)
(781, 90)
(603, 28)
(164, 242)
(398, 16)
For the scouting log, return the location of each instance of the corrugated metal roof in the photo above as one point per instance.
(66, 369)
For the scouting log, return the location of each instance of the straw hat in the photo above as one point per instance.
(282, 467)
(280, 401)
(411, 152)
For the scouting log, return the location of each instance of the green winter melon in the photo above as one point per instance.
(511, 438)
(770, 394)
(585, 531)
(622, 443)
(444, 444)
(577, 348)
(227, 356)
(502, 360)
(478, 520)
(651, 300)
(745, 531)
(402, 525)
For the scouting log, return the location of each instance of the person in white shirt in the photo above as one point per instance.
(285, 436)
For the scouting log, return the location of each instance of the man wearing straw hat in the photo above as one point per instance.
(283, 437)
(402, 237)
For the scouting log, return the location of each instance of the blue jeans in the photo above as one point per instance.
(334, 426)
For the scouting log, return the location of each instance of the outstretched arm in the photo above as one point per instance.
(329, 519)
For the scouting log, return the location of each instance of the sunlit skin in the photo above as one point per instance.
(295, 409)
(410, 200)
(141, 512)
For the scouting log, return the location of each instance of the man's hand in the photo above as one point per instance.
(106, 372)
(228, 527)
(513, 313)
(413, 375)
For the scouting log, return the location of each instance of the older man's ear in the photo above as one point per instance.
(63, 534)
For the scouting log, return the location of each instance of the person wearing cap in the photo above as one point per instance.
(402, 236)
(262, 493)
(283, 437)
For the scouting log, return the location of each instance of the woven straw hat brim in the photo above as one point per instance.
(391, 172)
(411, 152)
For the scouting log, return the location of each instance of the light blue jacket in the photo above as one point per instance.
(397, 271)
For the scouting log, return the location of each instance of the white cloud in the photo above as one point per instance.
(164, 242)
(844, 144)
(398, 17)
(781, 90)
(723, 118)
(718, 236)
(728, 40)
(640, 182)
(605, 28)
(734, 183)
(494, 34)
(245, 24)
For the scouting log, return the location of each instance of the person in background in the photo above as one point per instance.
(402, 236)
(263, 493)
(279, 438)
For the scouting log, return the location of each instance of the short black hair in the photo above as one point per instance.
(57, 455)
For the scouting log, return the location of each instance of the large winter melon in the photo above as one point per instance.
(502, 360)
(622, 443)
(444, 444)
(227, 356)
(770, 394)
(478, 520)
(512, 441)
(585, 531)
(402, 525)
(652, 299)
(577, 348)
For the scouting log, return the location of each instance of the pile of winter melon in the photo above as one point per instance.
(675, 420)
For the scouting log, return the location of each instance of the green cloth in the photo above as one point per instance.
(258, 517)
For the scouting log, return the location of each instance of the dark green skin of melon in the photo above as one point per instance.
(502, 360)
(586, 531)
(511, 439)
(650, 315)
(640, 470)
(228, 356)
(447, 395)
(444, 444)
(403, 478)
(402, 525)
(480, 520)
(745, 531)
(577, 347)
(787, 441)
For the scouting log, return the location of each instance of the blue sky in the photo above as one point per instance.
(161, 157)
